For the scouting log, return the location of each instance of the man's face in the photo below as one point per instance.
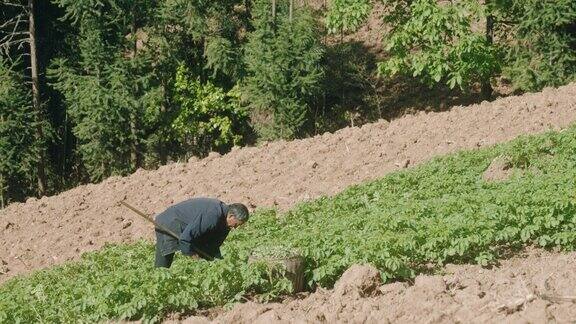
(233, 222)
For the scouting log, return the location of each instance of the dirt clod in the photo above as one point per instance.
(498, 170)
(194, 320)
(8, 225)
(362, 280)
(3, 267)
(433, 284)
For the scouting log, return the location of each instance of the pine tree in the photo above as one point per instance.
(18, 41)
(284, 72)
(120, 93)
(106, 89)
(542, 50)
(97, 91)
(19, 146)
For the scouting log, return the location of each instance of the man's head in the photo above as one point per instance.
(237, 215)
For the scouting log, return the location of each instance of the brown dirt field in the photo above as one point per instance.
(48, 231)
(510, 293)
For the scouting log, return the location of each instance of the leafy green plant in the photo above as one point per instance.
(436, 42)
(209, 118)
(458, 43)
(439, 212)
(120, 282)
(347, 15)
(525, 150)
(274, 251)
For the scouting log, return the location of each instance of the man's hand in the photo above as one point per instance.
(195, 256)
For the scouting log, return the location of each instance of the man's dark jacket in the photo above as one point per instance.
(201, 224)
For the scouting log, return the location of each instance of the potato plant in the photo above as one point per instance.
(437, 213)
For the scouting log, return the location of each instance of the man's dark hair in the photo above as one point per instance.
(239, 211)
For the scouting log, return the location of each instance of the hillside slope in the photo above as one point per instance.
(51, 230)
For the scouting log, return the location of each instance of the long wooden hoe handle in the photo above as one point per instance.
(165, 230)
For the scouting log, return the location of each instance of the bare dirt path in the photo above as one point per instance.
(514, 292)
(51, 230)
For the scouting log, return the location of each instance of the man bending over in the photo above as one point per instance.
(202, 224)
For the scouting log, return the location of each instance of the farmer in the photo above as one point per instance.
(201, 223)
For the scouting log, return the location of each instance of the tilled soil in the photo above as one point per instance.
(520, 290)
(48, 231)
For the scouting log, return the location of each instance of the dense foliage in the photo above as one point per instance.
(209, 119)
(442, 211)
(19, 153)
(284, 73)
(347, 15)
(458, 43)
(437, 44)
(543, 51)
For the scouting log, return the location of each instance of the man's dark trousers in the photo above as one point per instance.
(162, 261)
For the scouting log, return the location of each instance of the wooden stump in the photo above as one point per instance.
(293, 265)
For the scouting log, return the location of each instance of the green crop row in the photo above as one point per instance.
(437, 213)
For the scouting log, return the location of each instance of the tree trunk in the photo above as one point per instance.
(486, 86)
(163, 151)
(134, 156)
(1, 178)
(36, 101)
(2, 188)
(63, 160)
